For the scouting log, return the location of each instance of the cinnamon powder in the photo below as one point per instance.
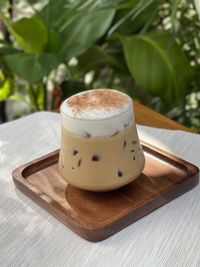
(97, 99)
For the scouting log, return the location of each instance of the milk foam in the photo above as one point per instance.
(97, 120)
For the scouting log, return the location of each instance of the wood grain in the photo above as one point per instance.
(96, 216)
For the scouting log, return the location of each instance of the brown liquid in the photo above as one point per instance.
(101, 163)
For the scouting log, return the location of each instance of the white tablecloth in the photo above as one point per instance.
(29, 236)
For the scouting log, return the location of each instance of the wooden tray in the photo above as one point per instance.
(96, 216)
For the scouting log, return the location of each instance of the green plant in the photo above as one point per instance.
(148, 48)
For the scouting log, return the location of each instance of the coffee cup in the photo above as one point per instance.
(100, 149)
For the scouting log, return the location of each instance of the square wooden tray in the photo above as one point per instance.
(96, 216)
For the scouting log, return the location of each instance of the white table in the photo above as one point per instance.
(29, 236)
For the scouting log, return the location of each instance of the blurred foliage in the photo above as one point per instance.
(149, 49)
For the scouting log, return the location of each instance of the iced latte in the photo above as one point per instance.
(100, 149)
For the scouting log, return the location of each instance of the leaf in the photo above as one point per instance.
(84, 31)
(40, 92)
(72, 87)
(75, 25)
(98, 57)
(132, 19)
(32, 67)
(74, 29)
(2, 77)
(37, 95)
(52, 12)
(158, 66)
(174, 8)
(7, 50)
(3, 3)
(32, 2)
(127, 4)
(30, 33)
(4, 51)
(4, 42)
(197, 5)
(54, 41)
(6, 89)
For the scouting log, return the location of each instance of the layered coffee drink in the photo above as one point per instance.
(100, 149)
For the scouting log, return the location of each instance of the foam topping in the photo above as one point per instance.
(97, 112)
(95, 104)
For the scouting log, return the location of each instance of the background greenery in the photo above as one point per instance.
(148, 48)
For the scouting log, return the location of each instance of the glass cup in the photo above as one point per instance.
(100, 149)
